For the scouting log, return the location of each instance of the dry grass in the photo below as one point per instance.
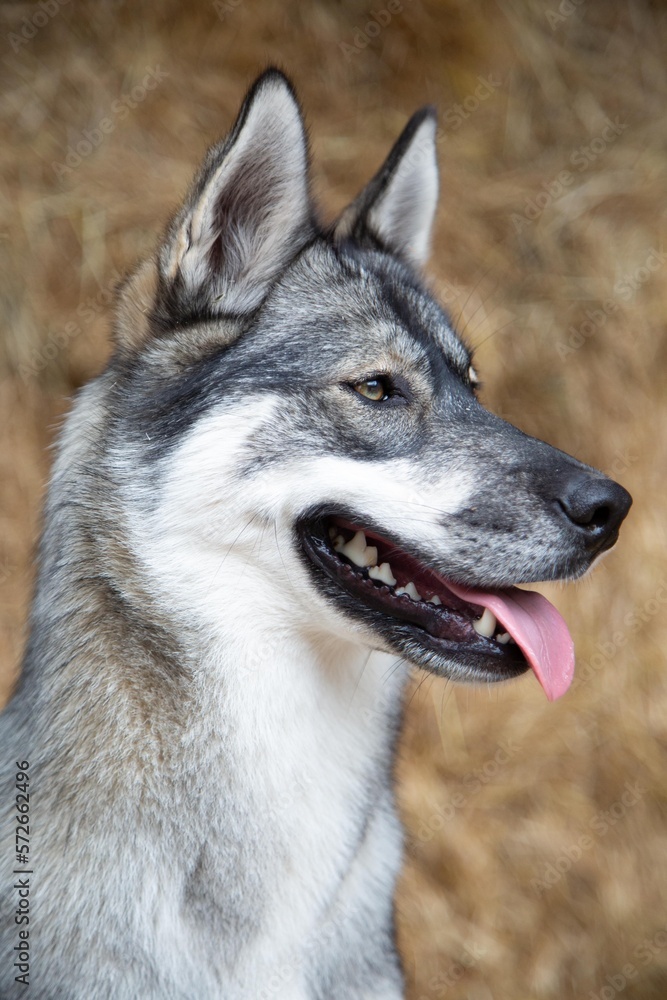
(473, 924)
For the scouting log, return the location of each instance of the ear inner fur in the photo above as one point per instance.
(248, 211)
(396, 209)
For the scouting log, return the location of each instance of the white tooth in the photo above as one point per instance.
(339, 543)
(503, 637)
(371, 555)
(332, 532)
(410, 590)
(434, 600)
(357, 552)
(486, 625)
(383, 573)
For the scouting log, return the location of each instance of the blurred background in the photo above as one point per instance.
(537, 851)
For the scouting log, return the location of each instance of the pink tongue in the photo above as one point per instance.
(536, 627)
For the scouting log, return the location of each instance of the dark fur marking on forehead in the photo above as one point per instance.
(164, 392)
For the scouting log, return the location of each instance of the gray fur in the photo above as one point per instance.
(210, 728)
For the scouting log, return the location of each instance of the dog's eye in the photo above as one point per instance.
(376, 389)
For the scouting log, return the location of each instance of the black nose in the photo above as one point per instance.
(597, 506)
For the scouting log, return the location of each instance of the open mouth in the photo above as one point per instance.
(450, 629)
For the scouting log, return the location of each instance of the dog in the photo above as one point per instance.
(280, 494)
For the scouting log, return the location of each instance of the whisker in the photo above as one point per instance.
(233, 543)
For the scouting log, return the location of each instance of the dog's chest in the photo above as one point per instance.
(301, 816)
(303, 754)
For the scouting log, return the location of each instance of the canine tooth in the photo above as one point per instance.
(358, 553)
(332, 533)
(382, 573)
(410, 590)
(486, 625)
(339, 543)
(503, 637)
(434, 600)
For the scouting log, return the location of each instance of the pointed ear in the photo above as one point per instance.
(395, 211)
(247, 213)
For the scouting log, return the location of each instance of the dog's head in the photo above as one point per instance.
(306, 419)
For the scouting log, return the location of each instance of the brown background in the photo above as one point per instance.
(475, 921)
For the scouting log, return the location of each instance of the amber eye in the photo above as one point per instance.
(375, 389)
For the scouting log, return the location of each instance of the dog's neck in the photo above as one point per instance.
(250, 759)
